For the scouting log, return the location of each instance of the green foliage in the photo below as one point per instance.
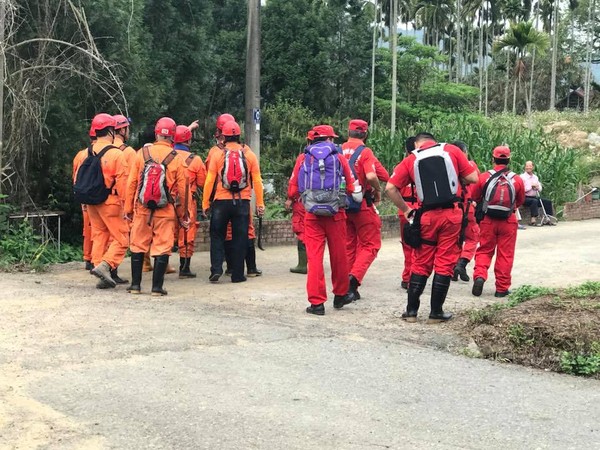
(585, 290)
(525, 293)
(584, 364)
(21, 247)
(481, 316)
(519, 336)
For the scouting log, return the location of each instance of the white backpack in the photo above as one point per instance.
(435, 177)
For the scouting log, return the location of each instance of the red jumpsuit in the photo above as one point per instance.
(472, 230)
(497, 236)
(441, 225)
(363, 228)
(409, 194)
(319, 230)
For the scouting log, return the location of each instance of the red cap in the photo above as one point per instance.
(165, 126)
(182, 134)
(323, 131)
(310, 135)
(223, 119)
(121, 121)
(358, 125)
(231, 128)
(502, 152)
(103, 120)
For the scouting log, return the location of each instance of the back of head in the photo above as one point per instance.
(358, 128)
(323, 133)
(409, 145)
(103, 125)
(231, 131)
(165, 129)
(423, 137)
(501, 155)
(463, 147)
(221, 121)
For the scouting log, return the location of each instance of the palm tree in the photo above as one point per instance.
(555, 18)
(434, 15)
(522, 38)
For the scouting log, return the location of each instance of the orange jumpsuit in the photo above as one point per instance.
(156, 236)
(87, 227)
(196, 175)
(109, 227)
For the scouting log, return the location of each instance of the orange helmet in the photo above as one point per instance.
(182, 134)
(223, 119)
(103, 120)
(165, 126)
(121, 121)
(231, 128)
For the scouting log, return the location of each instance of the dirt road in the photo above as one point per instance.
(242, 366)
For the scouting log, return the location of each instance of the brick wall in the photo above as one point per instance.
(279, 232)
(588, 208)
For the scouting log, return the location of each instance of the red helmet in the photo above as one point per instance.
(122, 121)
(92, 132)
(223, 119)
(165, 126)
(323, 131)
(231, 128)
(182, 134)
(103, 120)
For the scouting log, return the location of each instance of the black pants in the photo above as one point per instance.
(534, 205)
(222, 212)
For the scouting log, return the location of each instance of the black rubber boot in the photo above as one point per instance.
(317, 310)
(137, 263)
(461, 270)
(478, 286)
(416, 286)
(184, 268)
(439, 290)
(252, 271)
(181, 263)
(354, 284)
(88, 265)
(115, 276)
(301, 267)
(340, 300)
(158, 275)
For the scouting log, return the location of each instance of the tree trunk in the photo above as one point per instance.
(480, 61)
(458, 40)
(2, 18)
(507, 82)
(537, 19)
(252, 96)
(554, 56)
(394, 63)
(588, 71)
(514, 110)
(375, 30)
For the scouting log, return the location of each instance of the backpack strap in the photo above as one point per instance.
(493, 176)
(104, 150)
(357, 151)
(189, 159)
(123, 146)
(170, 157)
(146, 153)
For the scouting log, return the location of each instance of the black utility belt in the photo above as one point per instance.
(432, 207)
(410, 199)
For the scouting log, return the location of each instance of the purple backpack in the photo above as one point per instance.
(320, 179)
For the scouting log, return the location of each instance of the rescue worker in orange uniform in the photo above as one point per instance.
(471, 240)
(107, 218)
(319, 230)
(87, 226)
(497, 235)
(409, 196)
(363, 228)
(440, 228)
(231, 204)
(219, 138)
(294, 203)
(196, 176)
(121, 138)
(154, 229)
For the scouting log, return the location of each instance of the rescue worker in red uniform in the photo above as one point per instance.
(471, 240)
(195, 177)
(295, 204)
(319, 230)
(409, 195)
(87, 226)
(497, 235)
(440, 228)
(363, 228)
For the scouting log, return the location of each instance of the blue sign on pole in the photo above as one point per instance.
(256, 115)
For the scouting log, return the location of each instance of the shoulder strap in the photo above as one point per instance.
(170, 157)
(493, 176)
(357, 151)
(189, 159)
(104, 150)
(123, 146)
(146, 153)
(90, 151)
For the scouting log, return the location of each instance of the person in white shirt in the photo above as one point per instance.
(533, 188)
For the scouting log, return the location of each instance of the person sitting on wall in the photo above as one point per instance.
(533, 188)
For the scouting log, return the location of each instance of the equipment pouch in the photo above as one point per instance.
(412, 231)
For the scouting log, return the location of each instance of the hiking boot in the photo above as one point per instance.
(254, 272)
(461, 270)
(317, 310)
(158, 275)
(439, 290)
(115, 276)
(340, 300)
(354, 284)
(102, 271)
(301, 267)
(88, 265)
(240, 280)
(101, 284)
(251, 260)
(184, 268)
(501, 294)
(147, 267)
(478, 286)
(416, 286)
(137, 264)
(214, 277)
(404, 285)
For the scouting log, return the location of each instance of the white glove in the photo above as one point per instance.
(357, 195)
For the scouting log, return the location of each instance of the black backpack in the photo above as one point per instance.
(89, 187)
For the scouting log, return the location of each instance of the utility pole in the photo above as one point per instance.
(375, 36)
(252, 97)
(588, 68)
(554, 56)
(2, 45)
(394, 36)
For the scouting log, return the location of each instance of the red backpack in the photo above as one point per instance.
(153, 192)
(234, 175)
(499, 194)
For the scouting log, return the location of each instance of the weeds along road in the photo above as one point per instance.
(242, 366)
